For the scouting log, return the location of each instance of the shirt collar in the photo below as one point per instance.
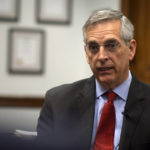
(122, 90)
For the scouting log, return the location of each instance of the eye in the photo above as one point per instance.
(110, 45)
(113, 45)
(93, 47)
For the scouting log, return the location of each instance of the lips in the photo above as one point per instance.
(105, 70)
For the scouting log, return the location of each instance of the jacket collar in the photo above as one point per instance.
(85, 101)
(133, 110)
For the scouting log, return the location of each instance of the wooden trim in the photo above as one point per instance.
(125, 7)
(21, 101)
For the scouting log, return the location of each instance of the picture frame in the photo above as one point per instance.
(54, 11)
(9, 10)
(26, 51)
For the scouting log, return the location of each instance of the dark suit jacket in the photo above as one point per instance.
(66, 119)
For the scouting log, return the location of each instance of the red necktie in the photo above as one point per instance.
(104, 139)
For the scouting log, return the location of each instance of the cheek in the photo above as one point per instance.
(90, 59)
(120, 59)
(87, 58)
(123, 60)
(92, 63)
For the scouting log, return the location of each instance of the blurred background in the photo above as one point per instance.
(22, 94)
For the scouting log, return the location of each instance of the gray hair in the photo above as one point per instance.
(127, 28)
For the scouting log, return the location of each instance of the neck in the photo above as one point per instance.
(114, 84)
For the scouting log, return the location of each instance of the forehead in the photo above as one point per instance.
(104, 31)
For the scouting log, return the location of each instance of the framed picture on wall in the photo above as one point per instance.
(54, 11)
(26, 51)
(9, 10)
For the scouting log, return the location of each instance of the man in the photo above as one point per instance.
(72, 114)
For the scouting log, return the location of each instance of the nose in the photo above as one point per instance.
(102, 54)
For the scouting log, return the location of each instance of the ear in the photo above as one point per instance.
(132, 49)
(87, 55)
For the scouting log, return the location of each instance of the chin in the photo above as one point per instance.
(106, 80)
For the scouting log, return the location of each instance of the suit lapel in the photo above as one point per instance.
(85, 103)
(86, 106)
(133, 110)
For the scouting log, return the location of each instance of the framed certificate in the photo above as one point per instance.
(54, 11)
(9, 10)
(26, 51)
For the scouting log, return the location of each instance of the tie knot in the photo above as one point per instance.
(111, 96)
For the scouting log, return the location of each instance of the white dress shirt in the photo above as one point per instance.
(119, 103)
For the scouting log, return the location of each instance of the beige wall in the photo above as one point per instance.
(64, 61)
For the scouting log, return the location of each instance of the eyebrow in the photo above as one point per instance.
(111, 40)
(93, 41)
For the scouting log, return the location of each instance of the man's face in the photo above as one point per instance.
(107, 54)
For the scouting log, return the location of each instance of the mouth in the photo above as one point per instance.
(105, 70)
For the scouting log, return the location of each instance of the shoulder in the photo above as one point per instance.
(71, 88)
(139, 86)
